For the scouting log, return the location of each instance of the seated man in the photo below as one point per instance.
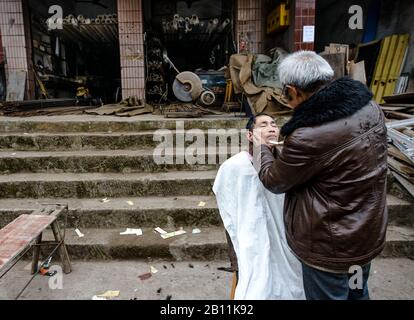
(253, 218)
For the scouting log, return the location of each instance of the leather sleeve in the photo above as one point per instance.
(284, 170)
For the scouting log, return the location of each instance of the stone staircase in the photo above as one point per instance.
(79, 160)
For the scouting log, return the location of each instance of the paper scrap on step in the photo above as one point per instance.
(153, 270)
(105, 200)
(172, 234)
(108, 295)
(159, 230)
(128, 231)
(80, 234)
(196, 230)
(130, 203)
(201, 204)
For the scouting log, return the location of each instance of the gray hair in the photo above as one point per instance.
(304, 69)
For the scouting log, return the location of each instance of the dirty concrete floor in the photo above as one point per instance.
(390, 279)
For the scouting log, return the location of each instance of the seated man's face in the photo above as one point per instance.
(267, 128)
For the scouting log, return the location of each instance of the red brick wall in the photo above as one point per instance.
(131, 44)
(250, 22)
(304, 16)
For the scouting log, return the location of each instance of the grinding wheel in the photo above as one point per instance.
(187, 86)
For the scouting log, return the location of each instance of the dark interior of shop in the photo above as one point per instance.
(83, 57)
(195, 35)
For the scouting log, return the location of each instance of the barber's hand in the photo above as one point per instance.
(258, 139)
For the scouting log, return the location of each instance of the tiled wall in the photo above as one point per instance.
(1, 50)
(13, 35)
(131, 44)
(250, 22)
(30, 89)
(304, 16)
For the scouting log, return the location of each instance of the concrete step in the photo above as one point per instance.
(85, 161)
(98, 185)
(74, 141)
(100, 244)
(210, 244)
(91, 123)
(400, 212)
(171, 212)
(397, 189)
(400, 242)
(62, 141)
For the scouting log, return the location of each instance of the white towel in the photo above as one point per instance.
(253, 217)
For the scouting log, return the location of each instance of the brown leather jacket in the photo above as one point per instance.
(333, 169)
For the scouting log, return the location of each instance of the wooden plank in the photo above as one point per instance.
(407, 97)
(396, 67)
(396, 153)
(379, 66)
(357, 71)
(398, 115)
(404, 105)
(385, 108)
(401, 168)
(337, 62)
(408, 132)
(16, 236)
(405, 183)
(387, 68)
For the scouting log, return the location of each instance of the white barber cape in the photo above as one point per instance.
(253, 217)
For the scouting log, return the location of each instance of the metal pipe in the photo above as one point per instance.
(224, 25)
(97, 28)
(83, 30)
(108, 32)
(209, 26)
(81, 18)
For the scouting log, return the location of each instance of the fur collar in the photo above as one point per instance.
(340, 99)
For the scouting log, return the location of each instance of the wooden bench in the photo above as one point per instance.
(26, 232)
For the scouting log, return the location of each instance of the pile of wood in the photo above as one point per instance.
(400, 125)
(399, 107)
(341, 58)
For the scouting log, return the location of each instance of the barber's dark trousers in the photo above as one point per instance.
(320, 285)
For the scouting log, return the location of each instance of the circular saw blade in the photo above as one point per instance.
(187, 86)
